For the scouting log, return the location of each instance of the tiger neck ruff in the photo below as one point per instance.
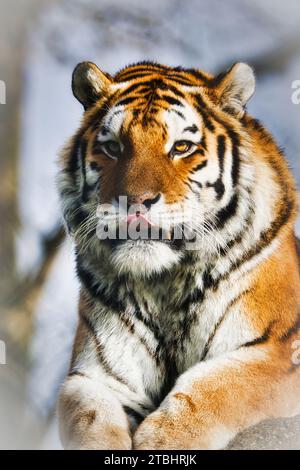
(182, 211)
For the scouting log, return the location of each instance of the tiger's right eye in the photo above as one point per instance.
(110, 148)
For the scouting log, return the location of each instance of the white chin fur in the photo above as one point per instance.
(143, 258)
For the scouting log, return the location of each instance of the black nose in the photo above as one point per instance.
(147, 199)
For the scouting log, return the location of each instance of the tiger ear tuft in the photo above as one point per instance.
(235, 87)
(89, 83)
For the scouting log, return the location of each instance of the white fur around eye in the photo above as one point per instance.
(176, 124)
(112, 123)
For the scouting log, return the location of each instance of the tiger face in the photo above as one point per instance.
(158, 165)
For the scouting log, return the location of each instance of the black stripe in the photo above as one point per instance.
(128, 100)
(148, 322)
(218, 185)
(291, 331)
(239, 236)
(197, 193)
(193, 129)
(135, 76)
(95, 166)
(131, 328)
(104, 130)
(97, 147)
(217, 326)
(77, 373)
(196, 296)
(100, 352)
(200, 166)
(199, 152)
(266, 238)
(171, 374)
(130, 89)
(196, 182)
(110, 300)
(133, 414)
(78, 216)
(94, 119)
(261, 339)
(208, 112)
(146, 65)
(221, 153)
(160, 84)
(83, 149)
(175, 90)
(73, 164)
(154, 84)
(145, 90)
(235, 156)
(227, 212)
(171, 100)
(178, 113)
(199, 75)
(202, 109)
(179, 80)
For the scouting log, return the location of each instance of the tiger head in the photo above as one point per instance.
(161, 158)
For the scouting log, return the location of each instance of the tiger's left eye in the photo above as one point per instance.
(181, 147)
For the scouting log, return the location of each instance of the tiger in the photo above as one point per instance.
(184, 339)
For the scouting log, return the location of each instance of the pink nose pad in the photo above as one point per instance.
(138, 217)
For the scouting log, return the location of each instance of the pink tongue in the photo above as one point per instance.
(141, 217)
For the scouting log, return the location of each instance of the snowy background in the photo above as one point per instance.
(38, 316)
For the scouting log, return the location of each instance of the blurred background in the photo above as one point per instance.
(41, 41)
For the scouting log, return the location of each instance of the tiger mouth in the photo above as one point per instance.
(168, 237)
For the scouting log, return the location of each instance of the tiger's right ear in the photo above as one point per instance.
(89, 83)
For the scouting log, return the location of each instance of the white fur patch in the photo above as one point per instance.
(177, 124)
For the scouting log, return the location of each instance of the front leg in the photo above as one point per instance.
(216, 399)
(91, 417)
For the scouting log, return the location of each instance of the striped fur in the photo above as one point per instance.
(179, 348)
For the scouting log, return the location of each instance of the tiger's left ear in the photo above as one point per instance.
(235, 88)
(89, 83)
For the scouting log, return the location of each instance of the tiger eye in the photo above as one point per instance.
(181, 147)
(112, 147)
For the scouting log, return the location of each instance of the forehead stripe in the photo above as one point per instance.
(171, 100)
(193, 129)
(129, 99)
(180, 81)
(130, 89)
(202, 109)
(134, 76)
(177, 112)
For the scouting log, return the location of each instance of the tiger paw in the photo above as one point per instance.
(163, 430)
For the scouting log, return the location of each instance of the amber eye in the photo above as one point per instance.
(181, 147)
(112, 149)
